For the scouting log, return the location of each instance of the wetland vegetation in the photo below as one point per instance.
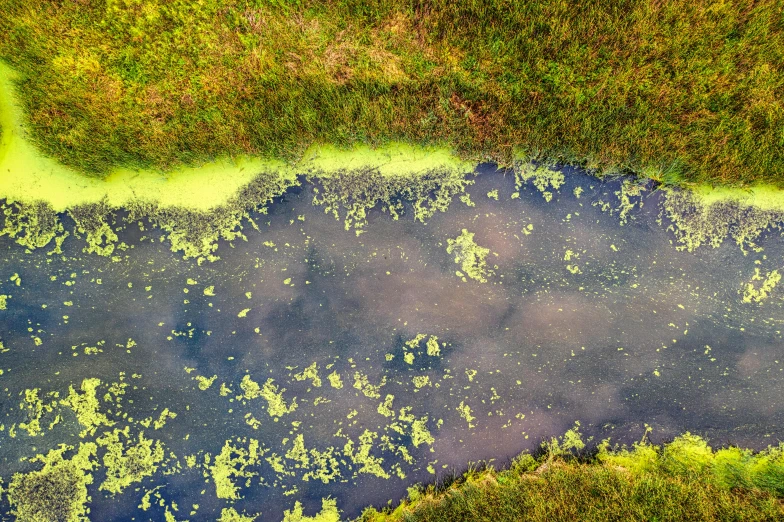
(682, 90)
(682, 480)
(252, 266)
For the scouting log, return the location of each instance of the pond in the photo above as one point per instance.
(312, 361)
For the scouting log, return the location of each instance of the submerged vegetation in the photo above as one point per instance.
(682, 480)
(676, 90)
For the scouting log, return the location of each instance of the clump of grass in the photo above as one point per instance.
(681, 90)
(682, 480)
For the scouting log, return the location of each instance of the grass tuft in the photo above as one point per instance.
(682, 480)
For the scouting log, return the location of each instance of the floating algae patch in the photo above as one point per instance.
(355, 193)
(310, 373)
(230, 465)
(231, 515)
(759, 288)
(471, 257)
(198, 205)
(127, 462)
(205, 382)
(705, 216)
(28, 176)
(545, 178)
(329, 513)
(381, 368)
(352, 182)
(57, 491)
(86, 406)
(276, 404)
(32, 225)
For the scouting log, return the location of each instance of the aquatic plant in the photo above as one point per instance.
(682, 480)
(329, 513)
(57, 491)
(470, 256)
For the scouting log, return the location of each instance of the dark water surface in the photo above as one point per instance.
(580, 319)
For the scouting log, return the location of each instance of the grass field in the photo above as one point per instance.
(680, 481)
(686, 90)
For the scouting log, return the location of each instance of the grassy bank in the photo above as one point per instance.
(678, 90)
(683, 480)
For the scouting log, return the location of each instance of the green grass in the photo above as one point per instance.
(690, 90)
(682, 481)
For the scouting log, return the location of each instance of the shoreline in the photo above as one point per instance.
(215, 183)
(198, 205)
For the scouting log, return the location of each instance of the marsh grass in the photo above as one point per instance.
(682, 91)
(683, 480)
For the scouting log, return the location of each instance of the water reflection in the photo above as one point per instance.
(580, 319)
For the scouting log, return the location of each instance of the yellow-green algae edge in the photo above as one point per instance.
(28, 176)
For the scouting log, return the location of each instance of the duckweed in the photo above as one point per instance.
(543, 177)
(334, 380)
(231, 515)
(205, 382)
(276, 405)
(310, 373)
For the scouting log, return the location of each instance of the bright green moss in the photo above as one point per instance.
(687, 454)
(640, 459)
(683, 480)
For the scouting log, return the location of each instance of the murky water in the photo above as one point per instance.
(579, 319)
